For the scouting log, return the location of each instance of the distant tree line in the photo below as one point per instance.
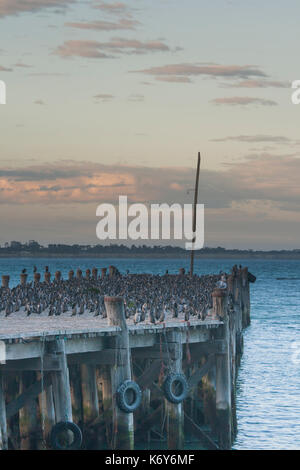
(34, 247)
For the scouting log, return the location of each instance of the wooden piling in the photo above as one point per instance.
(103, 272)
(111, 271)
(95, 273)
(3, 427)
(223, 375)
(71, 275)
(209, 399)
(89, 393)
(88, 274)
(174, 412)
(5, 281)
(23, 279)
(107, 403)
(12, 391)
(79, 274)
(47, 277)
(61, 383)
(76, 394)
(37, 278)
(123, 431)
(245, 297)
(47, 411)
(28, 415)
(58, 276)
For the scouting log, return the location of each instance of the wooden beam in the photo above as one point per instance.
(197, 376)
(209, 347)
(164, 352)
(149, 375)
(104, 357)
(32, 392)
(191, 426)
(50, 362)
(150, 420)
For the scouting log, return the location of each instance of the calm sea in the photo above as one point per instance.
(268, 394)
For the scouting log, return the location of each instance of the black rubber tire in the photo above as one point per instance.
(168, 387)
(122, 401)
(63, 426)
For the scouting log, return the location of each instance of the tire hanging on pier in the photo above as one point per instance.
(175, 388)
(62, 427)
(129, 396)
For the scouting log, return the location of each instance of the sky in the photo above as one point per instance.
(108, 98)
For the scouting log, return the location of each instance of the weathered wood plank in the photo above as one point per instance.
(157, 351)
(191, 426)
(50, 362)
(32, 392)
(197, 376)
(150, 374)
(104, 357)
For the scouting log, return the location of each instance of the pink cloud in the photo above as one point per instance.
(95, 49)
(243, 101)
(267, 178)
(213, 70)
(259, 84)
(5, 69)
(14, 7)
(116, 7)
(122, 24)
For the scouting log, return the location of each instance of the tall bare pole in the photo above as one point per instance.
(195, 212)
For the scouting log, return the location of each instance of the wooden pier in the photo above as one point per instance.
(85, 370)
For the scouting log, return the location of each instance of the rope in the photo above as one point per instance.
(188, 352)
(162, 367)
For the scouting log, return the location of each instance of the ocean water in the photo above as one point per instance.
(268, 392)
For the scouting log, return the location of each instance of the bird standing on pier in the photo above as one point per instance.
(28, 310)
(175, 310)
(8, 309)
(137, 317)
(162, 315)
(144, 312)
(186, 313)
(74, 310)
(152, 316)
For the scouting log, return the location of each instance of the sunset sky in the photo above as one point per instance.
(116, 98)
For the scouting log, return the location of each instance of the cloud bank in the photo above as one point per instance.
(243, 101)
(97, 50)
(15, 7)
(260, 177)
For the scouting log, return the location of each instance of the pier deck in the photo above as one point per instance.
(18, 326)
(70, 369)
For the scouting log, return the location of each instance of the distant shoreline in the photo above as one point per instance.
(267, 256)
